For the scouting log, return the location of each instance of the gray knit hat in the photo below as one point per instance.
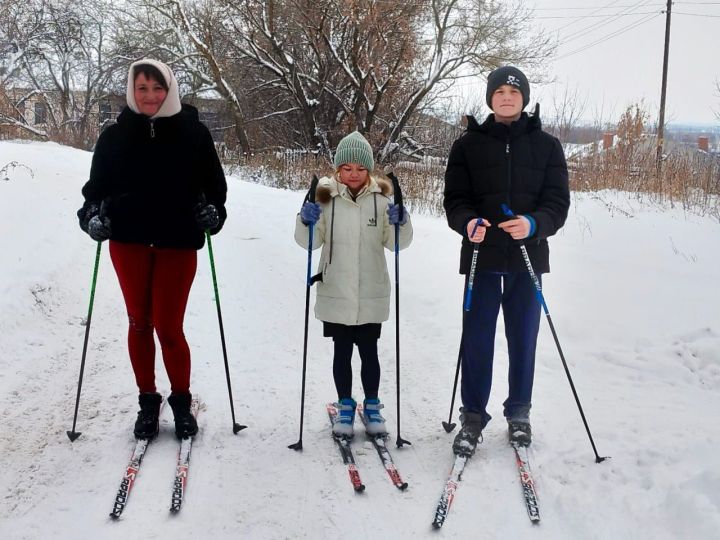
(354, 148)
(508, 75)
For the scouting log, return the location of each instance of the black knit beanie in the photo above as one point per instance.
(508, 75)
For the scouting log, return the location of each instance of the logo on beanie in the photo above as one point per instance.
(513, 81)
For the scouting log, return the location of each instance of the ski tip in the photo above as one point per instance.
(449, 426)
(174, 510)
(73, 435)
(436, 525)
(237, 428)
(360, 488)
(114, 516)
(403, 486)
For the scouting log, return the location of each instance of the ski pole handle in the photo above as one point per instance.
(310, 197)
(397, 193)
(473, 265)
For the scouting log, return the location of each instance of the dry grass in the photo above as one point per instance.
(690, 180)
(685, 178)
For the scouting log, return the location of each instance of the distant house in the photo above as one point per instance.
(33, 109)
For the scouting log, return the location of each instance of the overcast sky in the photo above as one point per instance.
(627, 67)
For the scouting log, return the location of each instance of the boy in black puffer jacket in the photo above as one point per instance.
(506, 160)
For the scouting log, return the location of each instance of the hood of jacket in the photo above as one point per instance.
(171, 106)
(525, 124)
(128, 117)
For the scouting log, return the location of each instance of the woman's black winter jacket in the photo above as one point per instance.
(152, 174)
(520, 165)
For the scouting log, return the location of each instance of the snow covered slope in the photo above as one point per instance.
(634, 295)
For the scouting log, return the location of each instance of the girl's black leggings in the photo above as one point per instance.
(342, 366)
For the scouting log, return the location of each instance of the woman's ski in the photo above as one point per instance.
(128, 480)
(183, 464)
(133, 468)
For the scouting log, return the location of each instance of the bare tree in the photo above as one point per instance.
(61, 55)
(467, 36)
(567, 109)
(314, 69)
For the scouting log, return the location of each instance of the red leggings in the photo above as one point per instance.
(156, 284)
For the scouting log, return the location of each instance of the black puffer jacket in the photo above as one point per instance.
(519, 165)
(152, 174)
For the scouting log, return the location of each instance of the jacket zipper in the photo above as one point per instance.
(508, 159)
(509, 164)
(152, 129)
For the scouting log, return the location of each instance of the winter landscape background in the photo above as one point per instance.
(634, 295)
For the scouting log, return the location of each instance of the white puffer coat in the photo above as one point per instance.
(355, 287)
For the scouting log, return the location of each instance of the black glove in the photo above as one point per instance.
(86, 213)
(99, 228)
(207, 216)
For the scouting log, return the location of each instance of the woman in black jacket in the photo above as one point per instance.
(507, 160)
(156, 185)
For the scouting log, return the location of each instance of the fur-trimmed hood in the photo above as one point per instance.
(329, 187)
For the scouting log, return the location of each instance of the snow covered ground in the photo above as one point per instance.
(634, 295)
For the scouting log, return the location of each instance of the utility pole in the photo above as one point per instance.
(663, 91)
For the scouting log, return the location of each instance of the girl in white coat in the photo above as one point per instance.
(354, 221)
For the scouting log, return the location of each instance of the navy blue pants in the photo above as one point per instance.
(521, 311)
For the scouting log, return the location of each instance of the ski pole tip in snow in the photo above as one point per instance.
(449, 426)
(400, 442)
(73, 435)
(237, 428)
(296, 446)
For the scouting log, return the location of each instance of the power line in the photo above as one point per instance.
(697, 15)
(621, 14)
(596, 26)
(610, 36)
(599, 7)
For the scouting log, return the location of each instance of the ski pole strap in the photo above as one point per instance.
(310, 197)
(397, 193)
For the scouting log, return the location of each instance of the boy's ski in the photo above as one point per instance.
(379, 442)
(343, 444)
(526, 481)
(183, 464)
(448, 494)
